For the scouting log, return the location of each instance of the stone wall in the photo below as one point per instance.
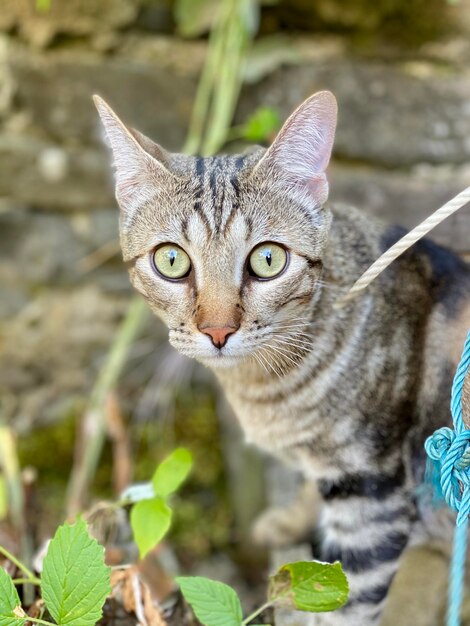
(402, 149)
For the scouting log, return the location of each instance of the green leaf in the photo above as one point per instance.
(75, 579)
(213, 603)
(264, 123)
(10, 605)
(150, 521)
(309, 586)
(171, 472)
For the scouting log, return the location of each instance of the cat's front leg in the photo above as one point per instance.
(278, 527)
(366, 525)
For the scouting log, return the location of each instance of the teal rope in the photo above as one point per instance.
(450, 451)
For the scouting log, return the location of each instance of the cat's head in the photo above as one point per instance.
(227, 250)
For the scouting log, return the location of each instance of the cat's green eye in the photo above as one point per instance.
(267, 260)
(171, 261)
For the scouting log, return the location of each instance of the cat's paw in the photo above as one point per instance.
(278, 528)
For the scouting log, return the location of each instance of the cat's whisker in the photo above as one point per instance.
(289, 354)
(289, 327)
(262, 359)
(295, 335)
(288, 337)
(292, 342)
(291, 333)
(284, 354)
(289, 340)
(269, 364)
(304, 320)
(255, 356)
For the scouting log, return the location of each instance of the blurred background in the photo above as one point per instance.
(400, 72)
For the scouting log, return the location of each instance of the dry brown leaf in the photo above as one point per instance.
(133, 594)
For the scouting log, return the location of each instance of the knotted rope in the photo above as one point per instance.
(450, 451)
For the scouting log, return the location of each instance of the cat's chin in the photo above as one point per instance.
(221, 361)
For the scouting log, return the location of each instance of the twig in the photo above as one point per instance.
(117, 432)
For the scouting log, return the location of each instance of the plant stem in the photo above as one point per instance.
(18, 564)
(11, 466)
(204, 91)
(35, 620)
(94, 422)
(235, 38)
(262, 608)
(24, 581)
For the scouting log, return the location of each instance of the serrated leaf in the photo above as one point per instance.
(150, 521)
(309, 586)
(172, 472)
(75, 580)
(213, 603)
(10, 605)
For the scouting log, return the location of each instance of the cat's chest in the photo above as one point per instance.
(287, 423)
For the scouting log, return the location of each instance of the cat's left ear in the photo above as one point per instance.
(141, 165)
(300, 154)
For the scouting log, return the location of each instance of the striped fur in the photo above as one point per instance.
(347, 396)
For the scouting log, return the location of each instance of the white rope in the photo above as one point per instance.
(403, 244)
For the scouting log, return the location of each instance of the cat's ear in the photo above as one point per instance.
(140, 164)
(299, 155)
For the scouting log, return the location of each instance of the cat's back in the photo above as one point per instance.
(426, 291)
(427, 266)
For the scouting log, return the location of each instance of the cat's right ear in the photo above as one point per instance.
(140, 164)
(299, 155)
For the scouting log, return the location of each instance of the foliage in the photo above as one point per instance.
(151, 516)
(261, 126)
(214, 603)
(75, 580)
(172, 472)
(150, 521)
(10, 606)
(309, 586)
(304, 585)
(74, 583)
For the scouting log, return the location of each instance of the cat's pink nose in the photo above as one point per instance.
(219, 334)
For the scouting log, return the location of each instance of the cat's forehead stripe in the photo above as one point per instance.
(200, 178)
(216, 199)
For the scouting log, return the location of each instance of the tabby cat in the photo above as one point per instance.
(243, 259)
